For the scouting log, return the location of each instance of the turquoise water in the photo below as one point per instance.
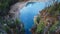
(28, 12)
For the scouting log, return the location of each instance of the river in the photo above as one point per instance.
(28, 12)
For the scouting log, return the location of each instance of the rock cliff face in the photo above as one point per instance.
(48, 21)
(11, 7)
(15, 9)
(9, 11)
(5, 6)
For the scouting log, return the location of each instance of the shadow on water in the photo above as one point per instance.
(28, 12)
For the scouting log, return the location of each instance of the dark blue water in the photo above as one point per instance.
(28, 12)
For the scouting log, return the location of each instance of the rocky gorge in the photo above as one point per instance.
(46, 22)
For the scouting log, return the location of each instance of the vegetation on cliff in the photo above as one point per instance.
(5, 6)
(49, 20)
(8, 25)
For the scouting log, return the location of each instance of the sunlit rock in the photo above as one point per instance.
(15, 9)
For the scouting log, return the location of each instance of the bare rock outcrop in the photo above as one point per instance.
(15, 9)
